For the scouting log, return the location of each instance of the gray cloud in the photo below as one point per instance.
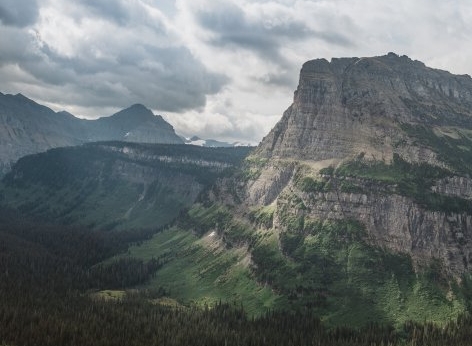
(169, 79)
(232, 28)
(221, 68)
(19, 13)
(114, 10)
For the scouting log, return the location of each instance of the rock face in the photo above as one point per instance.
(395, 137)
(27, 127)
(353, 105)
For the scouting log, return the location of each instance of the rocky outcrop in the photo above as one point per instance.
(454, 186)
(392, 222)
(352, 105)
(273, 179)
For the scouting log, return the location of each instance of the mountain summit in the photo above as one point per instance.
(358, 105)
(135, 124)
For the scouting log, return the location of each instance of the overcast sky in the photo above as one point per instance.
(218, 69)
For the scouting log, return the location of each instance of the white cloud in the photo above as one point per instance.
(216, 68)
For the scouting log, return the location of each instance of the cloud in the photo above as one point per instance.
(215, 68)
(114, 10)
(19, 13)
(233, 28)
(96, 63)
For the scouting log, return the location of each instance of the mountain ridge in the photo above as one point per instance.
(27, 127)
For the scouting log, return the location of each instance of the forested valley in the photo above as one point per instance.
(49, 274)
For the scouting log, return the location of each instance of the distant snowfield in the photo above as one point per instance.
(213, 143)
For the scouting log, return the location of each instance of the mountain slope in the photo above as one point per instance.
(114, 184)
(27, 127)
(396, 136)
(358, 203)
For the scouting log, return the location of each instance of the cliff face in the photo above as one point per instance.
(385, 141)
(353, 105)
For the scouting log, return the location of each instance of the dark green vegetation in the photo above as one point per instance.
(328, 266)
(44, 301)
(115, 185)
(403, 178)
(453, 147)
(109, 203)
(325, 266)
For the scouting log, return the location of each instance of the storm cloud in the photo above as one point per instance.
(107, 65)
(265, 34)
(19, 13)
(223, 69)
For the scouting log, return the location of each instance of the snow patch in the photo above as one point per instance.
(200, 142)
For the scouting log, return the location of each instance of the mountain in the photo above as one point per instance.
(357, 205)
(392, 140)
(350, 106)
(114, 185)
(212, 143)
(27, 127)
(134, 124)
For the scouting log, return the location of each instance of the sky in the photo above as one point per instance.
(221, 69)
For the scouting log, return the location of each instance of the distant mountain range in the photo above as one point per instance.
(27, 127)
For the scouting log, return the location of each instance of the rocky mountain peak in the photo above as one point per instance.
(386, 141)
(348, 106)
(136, 112)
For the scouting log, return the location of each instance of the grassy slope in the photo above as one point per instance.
(202, 271)
(329, 269)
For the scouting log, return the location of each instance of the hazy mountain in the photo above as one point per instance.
(134, 124)
(27, 127)
(110, 185)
